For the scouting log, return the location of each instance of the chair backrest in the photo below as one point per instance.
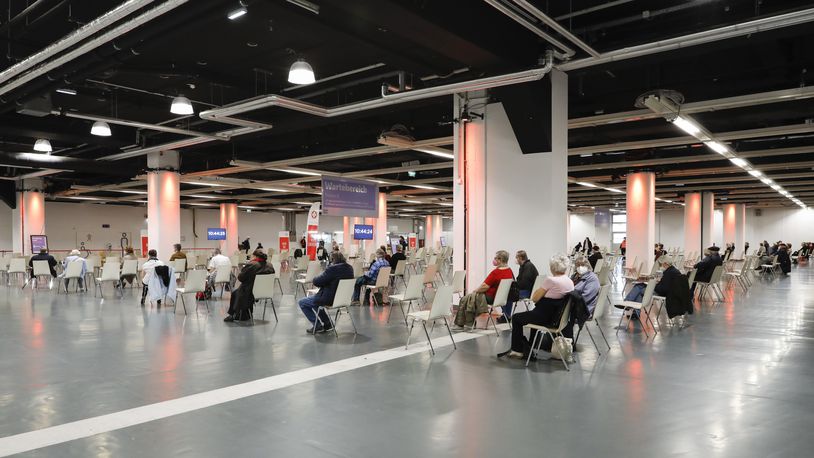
(235, 260)
(195, 282)
(601, 302)
(16, 265)
(91, 262)
(115, 259)
(275, 259)
(429, 273)
(130, 267)
(4, 263)
(223, 274)
(566, 315)
(41, 268)
(74, 269)
(599, 264)
(312, 270)
(372, 258)
(344, 293)
(263, 287)
(717, 274)
(433, 259)
(302, 263)
(191, 261)
(458, 281)
(383, 277)
(691, 276)
(400, 267)
(277, 266)
(358, 268)
(655, 268)
(180, 265)
(441, 303)
(414, 288)
(419, 253)
(648, 292)
(110, 271)
(502, 294)
(604, 275)
(538, 283)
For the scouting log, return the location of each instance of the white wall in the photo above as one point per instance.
(5, 227)
(581, 225)
(789, 225)
(670, 228)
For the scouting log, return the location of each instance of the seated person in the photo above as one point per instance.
(148, 270)
(327, 282)
(178, 254)
(502, 271)
(548, 300)
(369, 278)
(218, 260)
(241, 302)
(397, 256)
(129, 255)
(595, 256)
(44, 256)
(783, 259)
(74, 256)
(706, 266)
(586, 282)
(526, 276)
(386, 255)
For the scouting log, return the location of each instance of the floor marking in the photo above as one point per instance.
(66, 432)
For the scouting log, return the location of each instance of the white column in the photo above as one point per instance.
(381, 221)
(735, 227)
(707, 218)
(29, 216)
(641, 219)
(163, 202)
(692, 223)
(429, 228)
(502, 197)
(437, 229)
(228, 221)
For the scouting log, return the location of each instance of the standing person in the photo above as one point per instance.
(595, 256)
(245, 246)
(587, 246)
(369, 278)
(623, 246)
(44, 256)
(327, 282)
(241, 302)
(402, 242)
(178, 254)
(148, 270)
(706, 266)
(397, 256)
(526, 275)
(745, 249)
(75, 256)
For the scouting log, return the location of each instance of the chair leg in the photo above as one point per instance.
(265, 302)
(273, 309)
(537, 336)
(429, 341)
(603, 333)
(409, 334)
(619, 326)
(446, 323)
(390, 312)
(183, 303)
(592, 339)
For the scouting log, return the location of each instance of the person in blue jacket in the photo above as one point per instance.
(327, 282)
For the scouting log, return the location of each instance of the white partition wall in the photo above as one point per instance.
(514, 201)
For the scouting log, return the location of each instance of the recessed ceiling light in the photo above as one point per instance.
(43, 146)
(301, 73)
(181, 106)
(100, 129)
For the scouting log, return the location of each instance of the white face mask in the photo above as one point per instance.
(582, 270)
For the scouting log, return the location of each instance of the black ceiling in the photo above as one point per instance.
(196, 51)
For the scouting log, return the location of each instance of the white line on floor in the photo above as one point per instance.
(66, 432)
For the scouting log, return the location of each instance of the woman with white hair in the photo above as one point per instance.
(548, 302)
(75, 256)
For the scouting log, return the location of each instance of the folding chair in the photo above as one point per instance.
(278, 270)
(459, 283)
(263, 290)
(130, 267)
(180, 266)
(401, 267)
(73, 271)
(438, 311)
(312, 270)
(599, 312)
(429, 277)
(194, 283)
(41, 270)
(712, 284)
(537, 342)
(538, 283)
(342, 300)
(411, 294)
(382, 282)
(110, 274)
(633, 307)
(223, 277)
(17, 268)
(501, 299)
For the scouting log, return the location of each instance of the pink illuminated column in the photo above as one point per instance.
(381, 221)
(429, 232)
(641, 218)
(692, 223)
(228, 221)
(29, 217)
(371, 245)
(735, 227)
(163, 202)
(347, 233)
(707, 218)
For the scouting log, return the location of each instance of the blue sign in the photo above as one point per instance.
(216, 233)
(349, 197)
(363, 232)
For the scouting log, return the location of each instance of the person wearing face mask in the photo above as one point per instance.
(501, 272)
(586, 282)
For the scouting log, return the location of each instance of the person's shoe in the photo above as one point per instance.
(516, 355)
(352, 303)
(312, 330)
(326, 329)
(502, 320)
(229, 319)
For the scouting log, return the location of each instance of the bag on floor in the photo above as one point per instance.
(561, 348)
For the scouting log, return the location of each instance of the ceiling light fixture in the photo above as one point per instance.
(439, 152)
(100, 129)
(586, 184)
(299, 172)
(274, 190)
(717, 147)
(776, 187)
(739, 162)
(181, 106)
(66, 91)
(766, 181)
(419, 186)
(687, 126)
(620, 191)
(238, 12)
(755, 173)
(301, 73)
(43, 146)
(126, 191)
(201, 196)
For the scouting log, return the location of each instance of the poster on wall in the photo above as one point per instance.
(144, 244)
(39, 242)
(312, 229)
(412, 239)
(349, 197)
(284, 238)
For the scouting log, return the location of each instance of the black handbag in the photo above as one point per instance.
(514, 291)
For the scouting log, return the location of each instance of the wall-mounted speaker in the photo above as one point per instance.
(758, 212)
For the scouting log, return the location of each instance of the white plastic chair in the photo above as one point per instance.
(501, 299)
(73, 271)
(634, 307)
(223, 277)
(342, 301)
(538, 283)
(311, 271)
(195, 282)
(438, 311)
(401, 267)
(411, 294)
(130, 267)
(459, 283)
(41, 269)
(110, 274)
(17, 268)
(263, 290)
(599, 312)
(382, 282)
(552, 332)
(180, 266)
(712, 284)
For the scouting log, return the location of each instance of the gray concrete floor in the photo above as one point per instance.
(736, 383)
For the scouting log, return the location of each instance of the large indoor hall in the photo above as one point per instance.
(462, 228)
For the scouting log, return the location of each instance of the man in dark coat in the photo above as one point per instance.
(675, 288)
(242, 301)
(783, 259)
(397, 256)
(44, 256)
(706, 266)
(595, 256)
(327, 282)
